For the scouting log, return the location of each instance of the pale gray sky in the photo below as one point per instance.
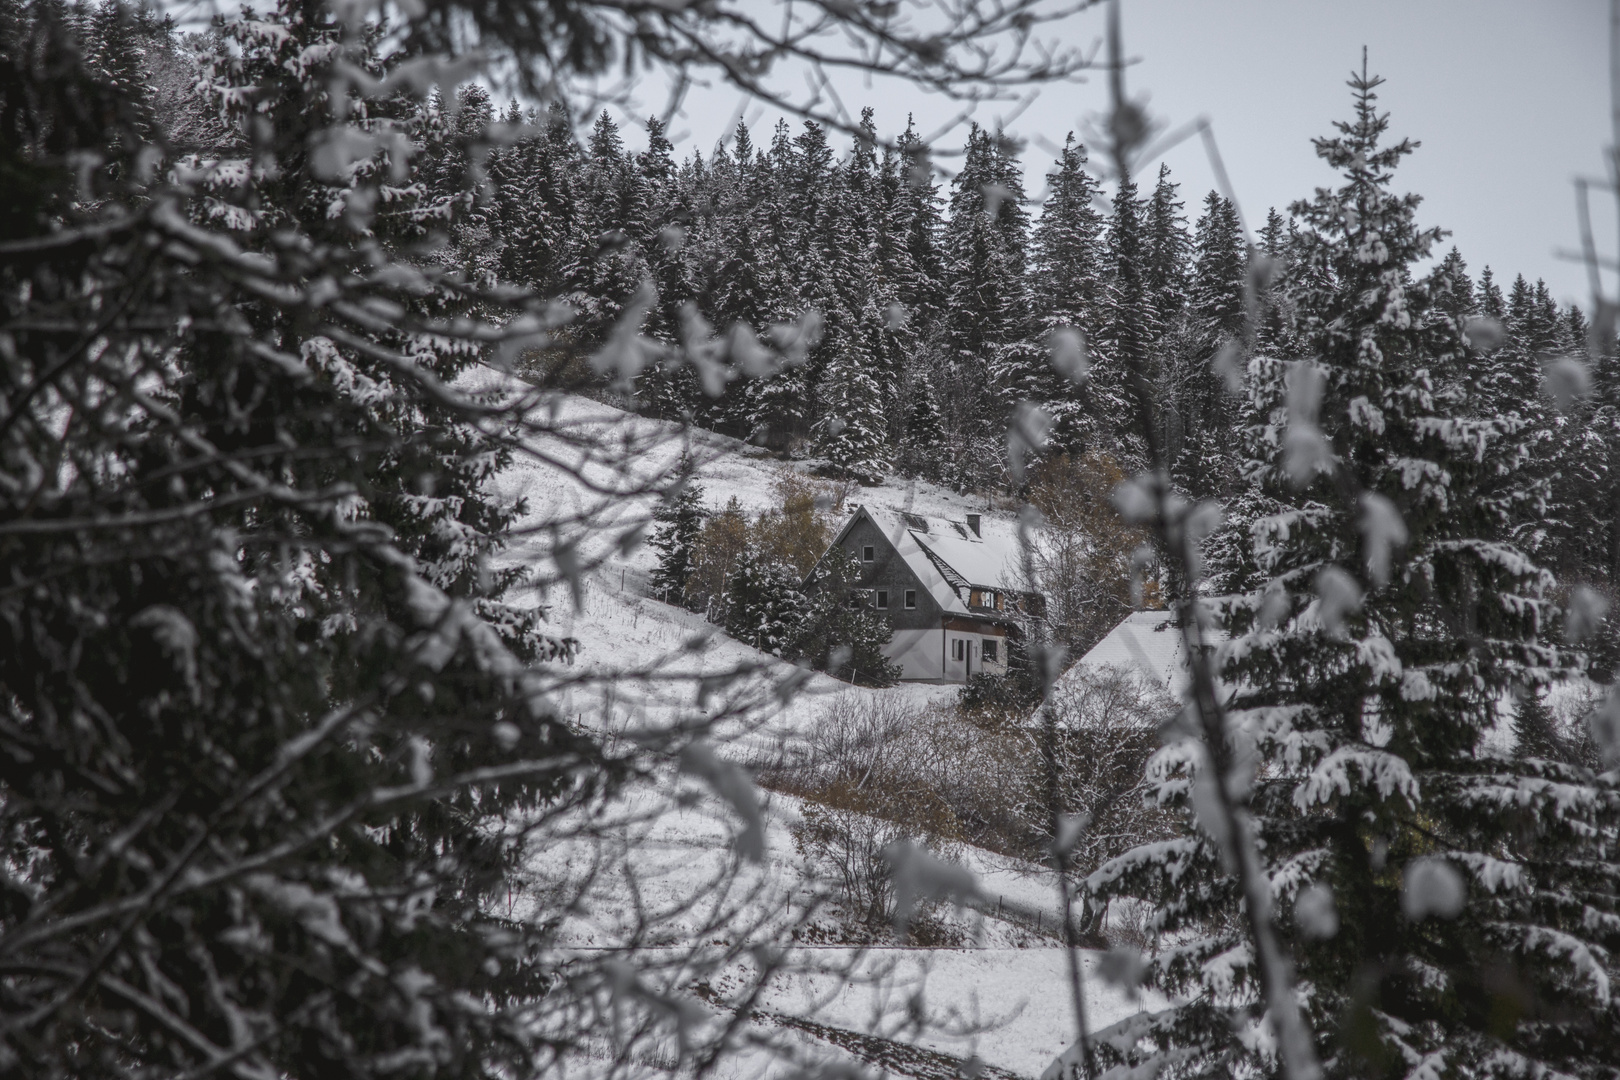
(1510, 102)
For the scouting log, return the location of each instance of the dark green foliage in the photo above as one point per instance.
(1067, 281)
(1128, 324)
(254, 733)
(1535, 733)
(764, 607)
(1372, 771)
(841, 638)
(1167, 247)
(679, 520)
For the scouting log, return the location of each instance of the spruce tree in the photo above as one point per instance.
(1456, 297)
(1215, 319)
(677, 523)
(1535, 732)
(1491, 302)
(853, 383)
(606, 268)
(1450, 910)
(1067, 275)
(1219, 272)
(536, 204)
(988, 332)
(670, 389)
(1273, 311)
(917, 266)
(1127, 327)
(764, 607)
(265, 713)
(116, 52)
(1166, 250)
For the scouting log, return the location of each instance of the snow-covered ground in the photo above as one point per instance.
(1002, 997)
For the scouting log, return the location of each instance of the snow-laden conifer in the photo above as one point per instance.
(1067, 276)
(1430, 885)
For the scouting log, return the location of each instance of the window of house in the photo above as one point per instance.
(958, 648)
(857, 598)
(911, 598)
(987, 650)
(883, 598)
(867, 554)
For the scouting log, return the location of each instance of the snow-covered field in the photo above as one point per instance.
(1002, 997)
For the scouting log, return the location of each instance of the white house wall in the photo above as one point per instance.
(928, 655)
(918, 652)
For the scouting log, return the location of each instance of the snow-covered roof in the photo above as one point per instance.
(945, 555)
(1146, 642)
(1150, 644)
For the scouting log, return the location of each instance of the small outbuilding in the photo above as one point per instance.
(949, 588)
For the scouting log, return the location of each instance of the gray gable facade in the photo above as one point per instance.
(947, 587)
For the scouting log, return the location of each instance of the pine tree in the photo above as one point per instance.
(1067, 277)
(117, 54)
(606, 268)
(1219, 271)
(1216, 315)
(852, 383)
(916, 266)
(988, 333)
(1491, 303)
(852, 429)
(838, 637)
(1166, 250)
(764, 607)
(1127, 327)
(1456, 289)
(1535, 732)
(241, 709)
(1424, 880)
(1273, 315)
(678, 521)
(669, 390)
(536, 205)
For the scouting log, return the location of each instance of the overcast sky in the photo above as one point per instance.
(1509, 101)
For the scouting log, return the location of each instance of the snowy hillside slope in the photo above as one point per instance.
(1002, 997)
(609, 612)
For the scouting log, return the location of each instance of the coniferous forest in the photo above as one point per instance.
(347, 728)
(933, 304)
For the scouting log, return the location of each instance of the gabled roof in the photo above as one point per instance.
(1148, 644)
(946, 557)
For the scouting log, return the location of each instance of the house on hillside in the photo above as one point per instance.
(949, 588)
